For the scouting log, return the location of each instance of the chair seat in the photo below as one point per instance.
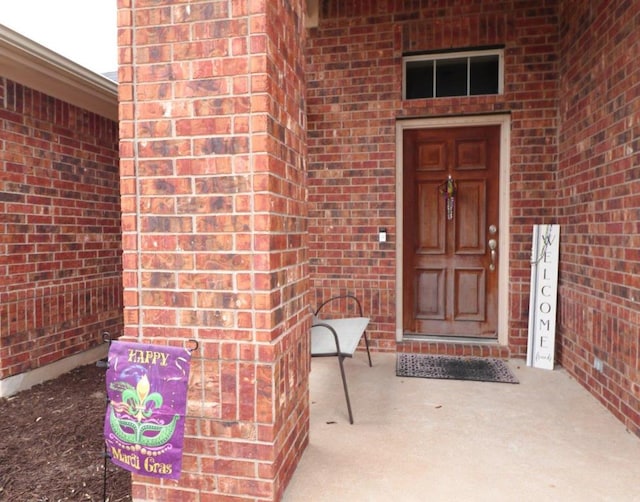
(349, 331)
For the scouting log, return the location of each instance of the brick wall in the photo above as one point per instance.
(354, 64)
(599, 190)
(214, 218)
(60, 230)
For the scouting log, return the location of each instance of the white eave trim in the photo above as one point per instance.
(33, 65)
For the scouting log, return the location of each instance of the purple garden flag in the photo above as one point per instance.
(147, 392)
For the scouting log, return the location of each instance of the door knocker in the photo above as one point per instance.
(448, 190)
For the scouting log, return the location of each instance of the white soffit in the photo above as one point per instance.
(33, 65)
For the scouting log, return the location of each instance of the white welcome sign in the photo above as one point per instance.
(544, 293)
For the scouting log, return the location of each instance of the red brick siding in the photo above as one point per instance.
(60, 228)
(354, 64)
(213, 184)
(599, 191)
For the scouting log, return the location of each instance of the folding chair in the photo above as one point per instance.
(340, 338)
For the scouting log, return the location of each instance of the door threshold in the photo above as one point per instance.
(418, 337)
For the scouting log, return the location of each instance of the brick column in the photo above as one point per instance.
(214, 230)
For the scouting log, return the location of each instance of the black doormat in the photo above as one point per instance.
(454, 368)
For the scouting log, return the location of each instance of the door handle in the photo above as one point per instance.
(493, 244)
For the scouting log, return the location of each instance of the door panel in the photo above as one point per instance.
(449, 286)
(431, 232)
(432, 156)
(469, 295)
(470, 227)
(431, 303)
(471, 154)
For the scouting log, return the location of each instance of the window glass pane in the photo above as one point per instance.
(451, 77)
(484, 75)
(419, 79)
(460, 74)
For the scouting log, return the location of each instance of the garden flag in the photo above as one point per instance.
(147, 393)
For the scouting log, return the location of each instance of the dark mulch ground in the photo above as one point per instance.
(51, 443)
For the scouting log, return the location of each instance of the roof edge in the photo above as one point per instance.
(39, 68)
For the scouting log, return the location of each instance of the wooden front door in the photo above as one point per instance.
(450, 223)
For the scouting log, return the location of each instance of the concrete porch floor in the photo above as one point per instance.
(414, 439)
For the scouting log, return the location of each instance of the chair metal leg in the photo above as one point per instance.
(366, 342)
(346, 391)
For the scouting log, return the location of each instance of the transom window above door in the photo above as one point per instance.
(452, 74)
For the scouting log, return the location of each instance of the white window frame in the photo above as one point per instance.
(468, 55)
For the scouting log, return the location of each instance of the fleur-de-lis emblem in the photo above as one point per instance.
(139, 401)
